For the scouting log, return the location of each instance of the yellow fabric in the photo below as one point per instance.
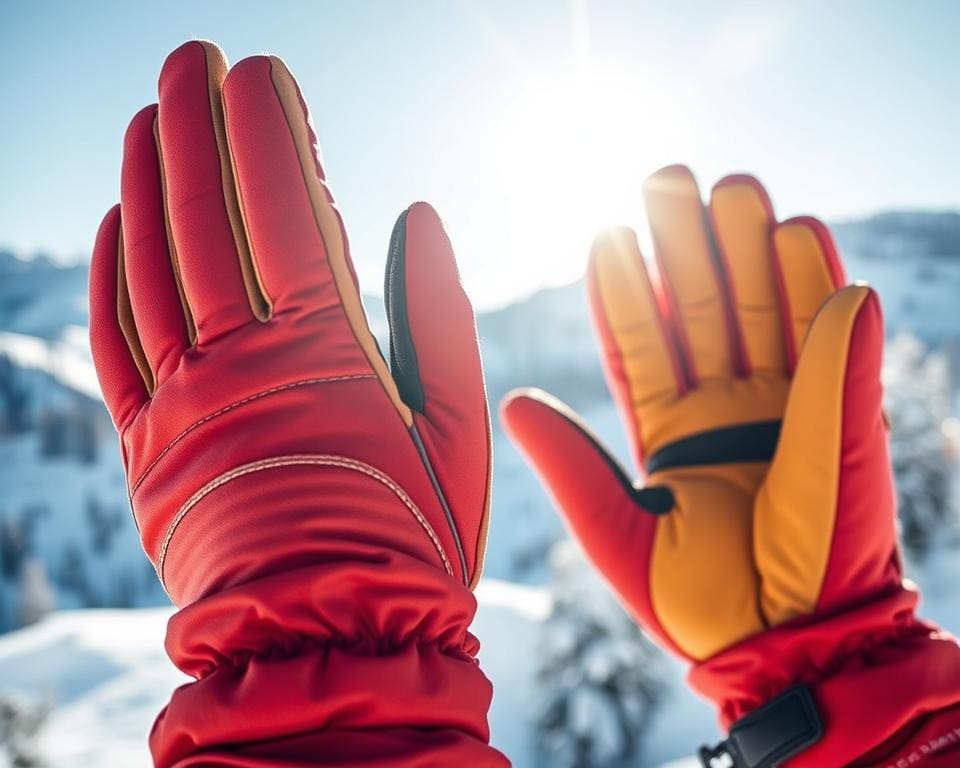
(713, 405)
(743, 225)
(677, 223)
(630, 313)
(332, 233)
(703, 584)
(806, 276)
(794, 516)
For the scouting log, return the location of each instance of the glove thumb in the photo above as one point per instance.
(824, 517)
(613, 519)
(435, 361)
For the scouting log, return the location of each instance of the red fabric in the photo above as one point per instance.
(153, 291)
(873, 670)
(864, 560)
(205, 245)
(932, 741)
(455, 414)
(299, 663)
(275, 481)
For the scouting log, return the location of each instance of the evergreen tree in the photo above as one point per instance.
(36, 596)
(19, 725)
(599, 674)
(917, 390)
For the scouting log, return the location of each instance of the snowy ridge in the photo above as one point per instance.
(66, 359)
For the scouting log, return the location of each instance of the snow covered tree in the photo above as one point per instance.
(72, 576)
(13, 548)
(600, 676)
(917, 391)
(103, 523)
(36, 596)
(19, 725)
(14, 399)
(54, 438)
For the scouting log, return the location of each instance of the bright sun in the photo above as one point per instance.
(570, 155)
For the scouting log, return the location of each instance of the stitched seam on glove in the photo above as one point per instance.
(237, 404)
(294, 461)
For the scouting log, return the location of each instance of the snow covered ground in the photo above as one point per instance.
(105, 673)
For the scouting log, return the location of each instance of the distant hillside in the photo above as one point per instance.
(899, 233)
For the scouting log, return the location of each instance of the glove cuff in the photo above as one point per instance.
(350, 657)
(870, 671)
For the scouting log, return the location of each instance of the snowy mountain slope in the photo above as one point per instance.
(106, 693)
(107, 676)
(39, 297)
(64, 506)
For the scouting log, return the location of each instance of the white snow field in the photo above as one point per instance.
(106, 676)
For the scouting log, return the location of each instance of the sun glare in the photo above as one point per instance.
(571, 154)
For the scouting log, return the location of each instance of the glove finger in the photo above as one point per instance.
(613, 520)
(148, 267)
(123, 385)
(209, 243)
(824, 517)
(435, 360)
(742, 217)
(295, 232)
(642, 360)
(690, 273)
(807, 269)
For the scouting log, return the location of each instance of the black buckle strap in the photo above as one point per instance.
(779, 730)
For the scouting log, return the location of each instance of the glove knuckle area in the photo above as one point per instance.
(255, 362)
(271, 424)
(288, 513)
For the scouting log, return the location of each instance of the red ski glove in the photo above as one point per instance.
(762, 548)
(318, 519)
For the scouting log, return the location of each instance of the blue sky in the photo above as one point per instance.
(527, 124)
